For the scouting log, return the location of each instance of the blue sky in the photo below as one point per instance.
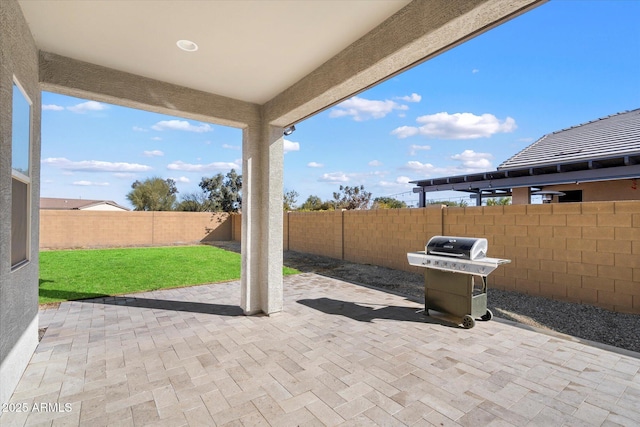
(465, 111)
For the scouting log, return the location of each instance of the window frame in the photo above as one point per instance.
(25, 179)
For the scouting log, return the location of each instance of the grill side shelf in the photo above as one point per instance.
(482, 267)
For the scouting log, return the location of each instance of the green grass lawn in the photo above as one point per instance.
(76, 274)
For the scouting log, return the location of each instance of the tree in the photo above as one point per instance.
(223, 194)
(153, 194)
(314, 203)
(388, 203)
(502, 201)
(194, 202)
(289, 200)
(352, 198)
(461, 203)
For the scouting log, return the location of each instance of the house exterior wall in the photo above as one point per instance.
(93, 229)
(18, 288)
(627, 189)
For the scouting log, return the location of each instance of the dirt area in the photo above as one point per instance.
(577, 320)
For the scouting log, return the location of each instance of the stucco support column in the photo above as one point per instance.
(262, 222)
(521, 196)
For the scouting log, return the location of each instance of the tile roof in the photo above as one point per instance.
(613, 136)
(71, 204)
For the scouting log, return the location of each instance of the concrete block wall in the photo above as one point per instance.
(384, 236)
(317, 233)
(582, 252)
(92, 229)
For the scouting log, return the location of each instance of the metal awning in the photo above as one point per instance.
(501, 182)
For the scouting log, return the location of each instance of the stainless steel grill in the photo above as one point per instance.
(456, 276)
(456, 254)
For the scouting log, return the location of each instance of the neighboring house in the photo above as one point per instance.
(594, 161)
(51, 203)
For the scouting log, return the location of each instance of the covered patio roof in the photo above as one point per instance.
(293, 58)
(500, 182)
(260, 66)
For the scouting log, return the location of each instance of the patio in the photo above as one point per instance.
(339, 354)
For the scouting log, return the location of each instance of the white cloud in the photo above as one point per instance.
(215, 166)
(95, 165)
(425, 168)
(475, 71)
(472, 160)
(156, 138)
(88, 106)
(181, 125)
(375, 163)
(361, 109)
(153, 153)
(358, 177)
(182, 179)
(291, 146)
(415, 148)
(315, 165)
(139, 129)
(52, 107)
(414, 97)
(231, 147)
(457, 126)
(400, 183)
(334, 177)
(91, 184)
(405, 131)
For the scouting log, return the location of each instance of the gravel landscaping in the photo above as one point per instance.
(577, 320)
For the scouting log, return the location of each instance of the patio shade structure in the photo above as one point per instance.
(606, 149)
(261, 66)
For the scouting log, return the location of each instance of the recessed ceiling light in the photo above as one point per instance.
(187, 45)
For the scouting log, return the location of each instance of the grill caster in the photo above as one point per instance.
(487, 316)
(468, 322)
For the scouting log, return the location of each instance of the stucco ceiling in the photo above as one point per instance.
(250, 50)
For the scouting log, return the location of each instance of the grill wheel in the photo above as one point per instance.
(468, 322)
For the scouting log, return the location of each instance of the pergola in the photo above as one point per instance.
(606, 149)
(261, 66)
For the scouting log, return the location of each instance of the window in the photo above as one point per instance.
(20, 177)
(571, 196)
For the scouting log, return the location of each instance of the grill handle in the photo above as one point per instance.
(447, 254)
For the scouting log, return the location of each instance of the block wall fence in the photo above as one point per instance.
(581, 252)
(99, 229)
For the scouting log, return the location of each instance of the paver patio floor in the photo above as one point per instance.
(339, 354)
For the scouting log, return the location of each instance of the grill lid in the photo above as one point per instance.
(457, 247)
